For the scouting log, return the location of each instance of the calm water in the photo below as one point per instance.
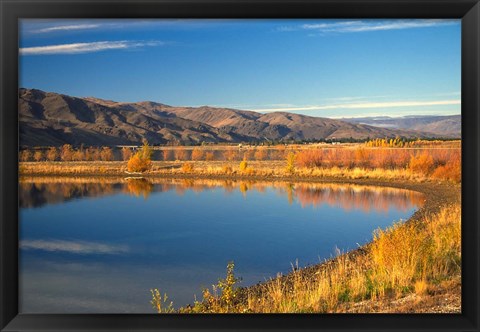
(100, 245)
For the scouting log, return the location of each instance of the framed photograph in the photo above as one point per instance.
(239, 165)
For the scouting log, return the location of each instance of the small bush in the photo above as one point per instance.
(210, 156)
(451, 171)
(140, 162)
(243, 165)
(197, 154)
(227, 169)
(137, 164)
(422, 163)
(187, 168)
(291, 158)
(309, 158)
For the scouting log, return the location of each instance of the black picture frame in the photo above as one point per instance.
(12, 10)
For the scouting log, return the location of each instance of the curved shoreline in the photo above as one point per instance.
(437, 195)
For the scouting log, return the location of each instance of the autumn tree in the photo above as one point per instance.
(38, 155)
(243, 165)
(180, 153)
(106, 154)
(25, 155)
(197, 154)
(52, 154)
(291, 158)
(66, 152)
(167, 154)
(260, 154)
(126, 153)
(230, 154)
(141, 161)
(78, 155)
(210, 156)
(96, 154)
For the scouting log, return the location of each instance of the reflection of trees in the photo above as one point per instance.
(243, 187)
(357, 197)
(139, 187)
(37, 191)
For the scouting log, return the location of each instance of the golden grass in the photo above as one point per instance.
(441, 161)
(232, 169)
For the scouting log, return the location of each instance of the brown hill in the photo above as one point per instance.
(52, 119)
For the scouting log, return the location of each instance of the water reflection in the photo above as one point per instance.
(39, 191)
(98, 245)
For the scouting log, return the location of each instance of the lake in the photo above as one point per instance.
(98, 245)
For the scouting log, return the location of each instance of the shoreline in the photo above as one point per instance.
(437, 195)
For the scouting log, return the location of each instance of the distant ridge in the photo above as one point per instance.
(445, 126)
(52, 119)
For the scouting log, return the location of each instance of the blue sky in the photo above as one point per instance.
(329, 68)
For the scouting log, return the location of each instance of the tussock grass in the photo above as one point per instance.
(231, 169)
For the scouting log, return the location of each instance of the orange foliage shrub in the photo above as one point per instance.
(180, 154)
(227, 169)
(38, 155)
(52, 154)
(197, 154)
(210, 156)
(167, 155)
(309, 158)
(421, 163)
(126, 153)
(78, 155)
(362, 157)
(106, 154)
(66, 152)
(451, 169)
(25, 155)
(230, 155)
(137, 164)
(187, 167)
(261, 154)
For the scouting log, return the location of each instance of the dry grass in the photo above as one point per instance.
(442, 162)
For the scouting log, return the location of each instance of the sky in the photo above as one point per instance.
(322, 67)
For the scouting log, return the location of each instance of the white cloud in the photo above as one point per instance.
(362, 105)
(369, 25)
(400, 114)
(74, 247)
(67, 28)
(78, 48)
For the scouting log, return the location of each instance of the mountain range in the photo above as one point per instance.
(446, 126)
(52, 119)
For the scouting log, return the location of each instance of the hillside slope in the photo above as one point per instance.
(52, 119)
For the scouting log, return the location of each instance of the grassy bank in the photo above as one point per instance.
(409, 267)
(253, 169)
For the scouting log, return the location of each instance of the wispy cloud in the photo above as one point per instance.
(74, 247)
(78, 48)
(45, 26)
(363, 105)
(368, 25)
(70, 27)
